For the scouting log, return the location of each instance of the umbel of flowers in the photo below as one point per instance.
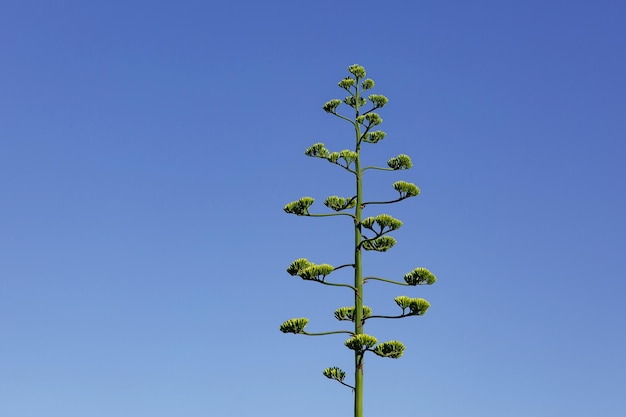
(370, 233)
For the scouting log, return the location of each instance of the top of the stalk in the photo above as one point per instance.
(357, 70)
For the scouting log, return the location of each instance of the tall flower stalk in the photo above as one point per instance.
(370, 233)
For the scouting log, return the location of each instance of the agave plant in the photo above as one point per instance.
(370, 233)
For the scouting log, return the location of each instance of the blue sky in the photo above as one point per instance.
(147, 150)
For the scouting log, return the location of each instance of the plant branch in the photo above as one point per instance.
(343, 383)
(388, 317)
(371, 110)
(327, 333)
(378, 168)
(367, 129)
(349, 92)
(329, 215)
(386, 280)
(384, 202)
(344, 167)
(378, 234)
(335, 284)
(343, 266)
(345, 118)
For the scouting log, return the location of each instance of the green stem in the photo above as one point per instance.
(386, 280)
(358, 271)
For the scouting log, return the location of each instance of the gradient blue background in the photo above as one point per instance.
(147, 149)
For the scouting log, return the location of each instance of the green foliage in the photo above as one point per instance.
(380, 244)
(416, 306)
(385, 222)
(317, 151)
(347, 313)
(367, 84)
(339, 203)
(401, 161)
(334, 373)
(372, 119)
(357, 70)
(391, 349)
(333, 157)
(348, 156)
(378, 101)
(315, 272)
(295, 326)
(299, 207)
(406, 189)
(420, 276)
(403, 301)
(298, 265)
(331, 106)
(347, 82)
(308, 270)
(351, 101)
(361, 342)
(374, 137)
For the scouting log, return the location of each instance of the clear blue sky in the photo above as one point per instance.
(147, 149)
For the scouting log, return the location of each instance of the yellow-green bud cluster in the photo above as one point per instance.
(334, 373)
(347, 82)
(384, 221)
(401, 161)
(406, 189)
(339, 203)
(349, 156)
(316, 272)
(298, 265)
(392, 349)
(374, 137)
(372, 119)
(380, 244)
(367, 84)
(357, 70)
(299, 207)
(331, 106)
(417, 306)
(361, 342)
(378, 100)
(317, 150)
(351, 101)
(295, 326)
(333, 157)
(420, 276)
(347, 313)
(308, 270)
